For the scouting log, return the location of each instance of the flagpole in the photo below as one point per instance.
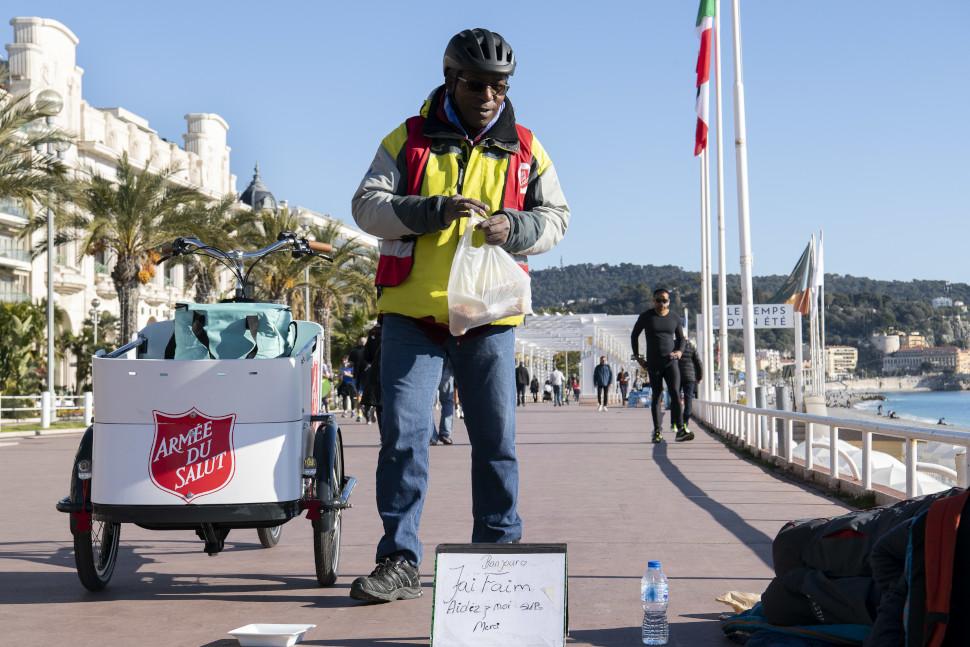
(821, 304)
(702, 340)
(708, 277)
(721, 244)
(744, 225)
(813, 319)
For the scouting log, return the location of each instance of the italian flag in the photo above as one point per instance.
(705, 31)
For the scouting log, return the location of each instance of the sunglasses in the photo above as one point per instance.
(662, 300)
(499, 89)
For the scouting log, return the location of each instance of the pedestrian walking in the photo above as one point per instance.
(534, 388)
(691, 374)
(574, 384)
(602, 379)
(521, 383)
(623, 384)
(556, 379)
(356, 359)
(464, 155)
(665, 344)
(347, 390)
(371, 398)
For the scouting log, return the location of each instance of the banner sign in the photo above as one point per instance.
(495, 595)
(772, 315)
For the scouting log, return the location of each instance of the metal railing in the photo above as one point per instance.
(27, 409)
(758, 430)
(14, 297)
(13, 253)
(13, 207)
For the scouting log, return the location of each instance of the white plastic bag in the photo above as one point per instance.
(486, 284)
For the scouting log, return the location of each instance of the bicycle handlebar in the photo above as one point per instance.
(233, 259)
(319, 248)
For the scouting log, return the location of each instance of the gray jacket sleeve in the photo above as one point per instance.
(381, 209)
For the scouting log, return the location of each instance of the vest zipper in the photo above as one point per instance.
(462, 161)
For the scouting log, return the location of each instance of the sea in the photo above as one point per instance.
(925, 406)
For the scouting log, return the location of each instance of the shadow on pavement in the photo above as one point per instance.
(682, 634)
(757, 541)
(134, 580)
(342, 642)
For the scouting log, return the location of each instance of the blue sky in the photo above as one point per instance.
(855, 111)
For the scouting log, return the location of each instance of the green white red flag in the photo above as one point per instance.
(705, 31)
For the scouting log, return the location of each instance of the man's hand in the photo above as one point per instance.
(458, 206)
(496, 229)
(676, 354)
(642, 362)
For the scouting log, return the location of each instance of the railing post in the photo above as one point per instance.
(809, 437)
(45, 409)
(789, 433)
(962, 461)
(867, 460)
(88, 408)
(773, 439)
(910, 468)
(834, 452)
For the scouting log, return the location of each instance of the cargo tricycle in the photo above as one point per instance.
(211, 422)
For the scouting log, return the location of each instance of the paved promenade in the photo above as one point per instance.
(589, 479)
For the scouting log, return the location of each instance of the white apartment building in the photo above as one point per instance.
(840, 361)
(42, 56)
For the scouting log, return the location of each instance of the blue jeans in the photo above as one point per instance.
(557, 395)
(446, 396)
(484, 366)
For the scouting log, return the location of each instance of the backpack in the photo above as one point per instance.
(938, 575)
(233, 331)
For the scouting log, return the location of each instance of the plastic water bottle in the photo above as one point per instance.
(654, 594)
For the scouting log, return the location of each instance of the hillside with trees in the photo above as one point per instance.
(856, 307)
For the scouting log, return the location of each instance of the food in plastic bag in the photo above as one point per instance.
(486, 284)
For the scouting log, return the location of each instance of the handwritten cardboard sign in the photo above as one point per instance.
(495, 595)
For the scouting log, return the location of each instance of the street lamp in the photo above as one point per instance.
(95, 316)
(49, 103)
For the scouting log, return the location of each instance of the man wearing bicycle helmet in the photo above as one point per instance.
(463, 155)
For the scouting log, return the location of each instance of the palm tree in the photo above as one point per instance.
(340, 285)
(131, 216)
(216, 224)
(276, 277)
(27, 172)
(82, 346)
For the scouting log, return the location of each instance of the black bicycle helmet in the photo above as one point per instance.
(479, 50)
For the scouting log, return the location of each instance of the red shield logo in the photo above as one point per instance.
(524, 171)
(192, 454)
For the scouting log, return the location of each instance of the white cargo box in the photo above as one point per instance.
(202, 432)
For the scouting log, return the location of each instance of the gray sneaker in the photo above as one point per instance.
(390, 580)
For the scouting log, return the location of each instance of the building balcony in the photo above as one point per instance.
(12, 213)
(68, 280)
(14, 297)
(18, 259)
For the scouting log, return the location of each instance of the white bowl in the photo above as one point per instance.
(270, 635)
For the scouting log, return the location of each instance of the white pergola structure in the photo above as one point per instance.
(593, 335)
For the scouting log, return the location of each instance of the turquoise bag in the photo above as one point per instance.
(233, 331)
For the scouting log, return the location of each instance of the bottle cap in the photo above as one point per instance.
(653, 564)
